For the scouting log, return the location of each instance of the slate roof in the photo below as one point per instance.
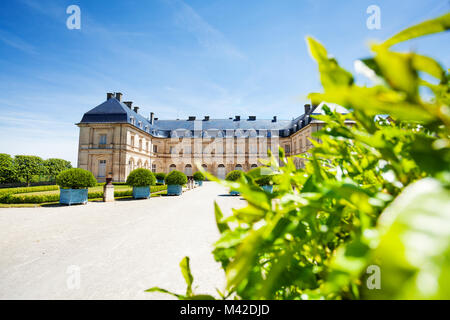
(115, 111)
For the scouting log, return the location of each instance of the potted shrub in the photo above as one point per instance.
(141, 179)
(175, 181)
(265, 182)
(160, 176)
(199, 178)
(74, 184)
(234, 176)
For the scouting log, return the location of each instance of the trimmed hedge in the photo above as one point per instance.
(25, 198)
(141, 178)
(234, 175)
(198, 176)
(160, 175)
(76, 178)
(28, 189)
(176, 178)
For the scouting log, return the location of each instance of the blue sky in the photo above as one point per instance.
(177, 58)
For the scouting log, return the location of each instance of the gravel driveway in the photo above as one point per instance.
(111, 250)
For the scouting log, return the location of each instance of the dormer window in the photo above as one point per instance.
(132, 121)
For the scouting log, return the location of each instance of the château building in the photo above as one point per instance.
(115, 139)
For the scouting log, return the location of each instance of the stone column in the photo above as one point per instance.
(108, 189)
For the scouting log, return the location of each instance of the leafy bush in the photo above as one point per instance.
(234, 175)
(198, 176)
(160, 175)
(28, 166)
(373, 195)
(176, 178)
(8, 172)
(54, 166)
(141, 177)
(76, 178)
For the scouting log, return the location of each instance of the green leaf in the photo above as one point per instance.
(436, 25)
(414, 250)
(222, 226)
(428, 65)
(157, 289)
(186, 271)
(331, 74)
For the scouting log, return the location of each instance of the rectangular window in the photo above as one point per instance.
(132, 141)
(155, 148)
(287, 148)
(171, 150)
(102, 139)
(153, 168)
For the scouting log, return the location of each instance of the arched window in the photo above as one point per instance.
(205, 167)
(172, 167)
(130, 165)
(254, 166)
(238, 167)
(188, 170)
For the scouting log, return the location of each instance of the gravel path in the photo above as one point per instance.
(118, 249)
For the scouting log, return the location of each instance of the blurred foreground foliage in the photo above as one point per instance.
(374, 195)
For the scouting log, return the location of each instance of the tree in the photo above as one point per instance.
(55, 166)
(7, 170)
(28, 166)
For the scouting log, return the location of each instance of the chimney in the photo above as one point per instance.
(152, 117)
(206, 118)
(128, 103)
(156, 119)
(119, 96)
(237, 118)
(307, 108)
(251, 118)
(136, 109)
(191, 118)
(274, 119)
(109, 95)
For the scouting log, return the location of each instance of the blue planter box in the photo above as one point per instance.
(174, 190)
(234, 193)
(200, 183)
(267, 188)
(73, 196)
(160, 181)
(141, 192)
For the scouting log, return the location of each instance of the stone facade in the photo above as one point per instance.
(114, 146)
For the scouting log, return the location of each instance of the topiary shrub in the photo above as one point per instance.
(198, 176)
(234, 175)
(76, 178)
(160, 175)
(264, 180)
(141, 178)
(176, 178)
